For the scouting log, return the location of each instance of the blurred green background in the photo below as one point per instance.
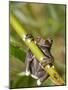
(45, 20)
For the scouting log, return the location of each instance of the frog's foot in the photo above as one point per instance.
(27, 73)
(33, 76)
(38, 82)
(46, 61)
(21, 74)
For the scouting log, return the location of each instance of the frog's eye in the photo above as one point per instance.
(48, 42)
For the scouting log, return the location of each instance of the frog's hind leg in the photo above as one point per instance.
(27, 64)
(42, 78)
(36, 78)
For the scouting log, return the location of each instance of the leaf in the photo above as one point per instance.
(16, 66)
(24, 81)
(48, 82)
(17, 52)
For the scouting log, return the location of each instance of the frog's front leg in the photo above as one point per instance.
(47, 60)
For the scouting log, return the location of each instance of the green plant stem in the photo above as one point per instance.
(35, 50)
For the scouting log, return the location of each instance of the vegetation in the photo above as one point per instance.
(53, 26)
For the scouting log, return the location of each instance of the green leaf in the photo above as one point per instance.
(48, 82)
(16, 66)
(24, 81)
(17, 52)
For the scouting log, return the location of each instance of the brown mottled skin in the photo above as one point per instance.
(32, 63)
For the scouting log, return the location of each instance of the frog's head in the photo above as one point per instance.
(45, 46)
(44, 43)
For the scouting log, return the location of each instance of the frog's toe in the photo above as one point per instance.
(38, 82)
(27, 73)
(33, 76)
(22, 74)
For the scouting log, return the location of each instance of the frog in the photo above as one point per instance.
(33, 66)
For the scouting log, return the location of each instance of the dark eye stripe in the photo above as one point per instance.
(47, 55)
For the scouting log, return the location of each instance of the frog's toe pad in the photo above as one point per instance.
(27, 73)
(38, 82)
(21, 74)
(33, 76)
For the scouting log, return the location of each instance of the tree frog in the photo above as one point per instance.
(33, 66)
